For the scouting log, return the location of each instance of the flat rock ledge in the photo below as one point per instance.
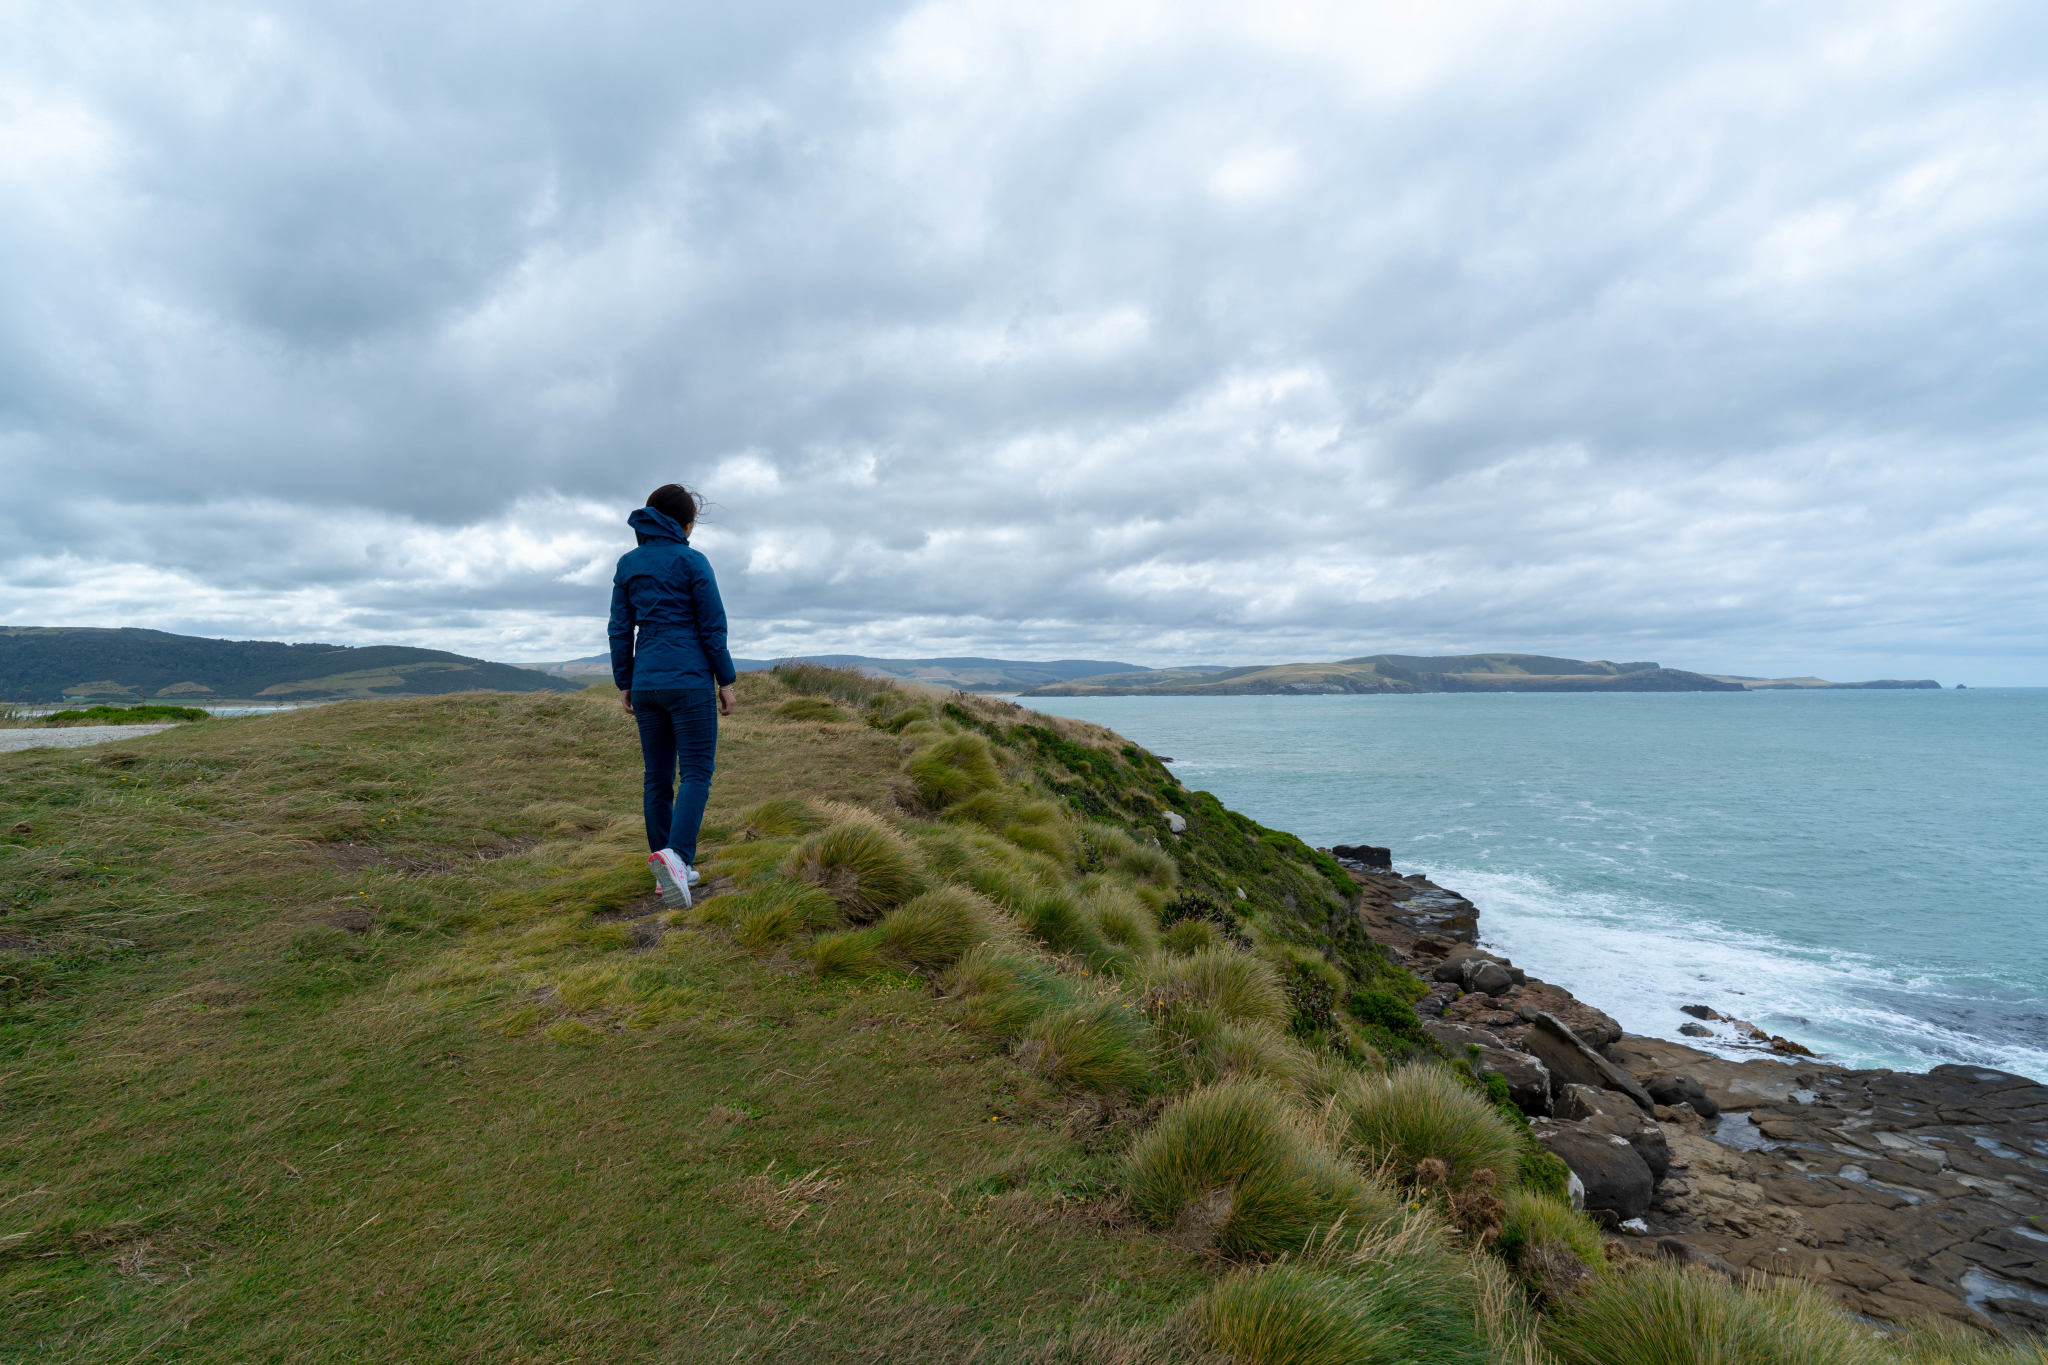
(1901, 1195)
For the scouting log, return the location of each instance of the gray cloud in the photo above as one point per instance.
(1154, 332)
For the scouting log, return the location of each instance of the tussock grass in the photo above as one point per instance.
(1144, 863)
(998, 990)
(1122, 920)
(820, 680)
(812, 709)
(1235, 985)
(1666, 1315)
(1947, 1343)
(1421, 1113)
(777, 914)
(785, 817)
(1051, 841)
(1536, 1220)
(1207, 1141)
(935, 929)
(953, 769)
(860, 862)
(1233, 1159)
(1192, 936)
(1284, 1315)
(753, 864)
(1056, 920)
(1416, 1306)
(1250, 1052)
(1508, 1321)
(1091, 1044)
(849, 952)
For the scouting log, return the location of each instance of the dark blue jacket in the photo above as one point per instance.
(665, 588)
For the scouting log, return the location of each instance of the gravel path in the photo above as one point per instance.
(72, 738)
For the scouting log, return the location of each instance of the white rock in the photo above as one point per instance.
(1176, 822)
(1635, 1227)
(1241, 895)
(1576, 1188)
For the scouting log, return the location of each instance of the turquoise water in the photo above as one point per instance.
(1864, 872)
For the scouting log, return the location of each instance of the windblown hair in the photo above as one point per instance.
(674, 501)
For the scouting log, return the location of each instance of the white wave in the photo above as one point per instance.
(1640, 960)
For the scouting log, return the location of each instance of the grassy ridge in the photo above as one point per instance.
(353, 1034)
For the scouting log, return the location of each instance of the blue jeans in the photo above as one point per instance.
(678, 735)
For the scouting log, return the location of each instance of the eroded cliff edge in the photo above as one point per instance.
(1902, 1195)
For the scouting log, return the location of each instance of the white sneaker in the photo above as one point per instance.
(672, 875)
(694, 877)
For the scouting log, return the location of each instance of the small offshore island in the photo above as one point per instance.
(1903, 1193)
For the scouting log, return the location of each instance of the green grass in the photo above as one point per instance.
(358, 1033)
(487, 1126)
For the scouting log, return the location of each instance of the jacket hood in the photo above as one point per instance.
(649, 524)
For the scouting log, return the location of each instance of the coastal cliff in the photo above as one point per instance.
(1900, 1195)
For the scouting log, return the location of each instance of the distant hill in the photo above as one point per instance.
(1393, 673)
(966, 674)
(1390, 673)
(55, 663)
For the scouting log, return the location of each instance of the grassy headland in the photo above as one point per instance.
(354, 1034)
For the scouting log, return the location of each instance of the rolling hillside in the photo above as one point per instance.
(50, 664)
(1397, 673)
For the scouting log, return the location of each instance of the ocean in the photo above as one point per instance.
(1865, 872)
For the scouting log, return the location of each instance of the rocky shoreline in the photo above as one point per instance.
(1901, 1195)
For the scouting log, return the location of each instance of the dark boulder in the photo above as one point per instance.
(1571, 1062)
(1698, 1011)
(1365, 854)
(1677, 1090)
(1615, 1177)
(1605, 1111)
(1487, 978)
(1566, 1060)
(1527, 1078)
(1696, 1030)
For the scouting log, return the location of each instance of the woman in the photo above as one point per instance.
(666, 678)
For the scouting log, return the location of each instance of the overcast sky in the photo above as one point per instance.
(1165, 332)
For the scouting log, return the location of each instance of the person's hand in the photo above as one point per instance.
(726, 701)
(626, 698)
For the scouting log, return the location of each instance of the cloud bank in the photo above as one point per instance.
(1163, 332)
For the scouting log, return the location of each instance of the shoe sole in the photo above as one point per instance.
(674, 894)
